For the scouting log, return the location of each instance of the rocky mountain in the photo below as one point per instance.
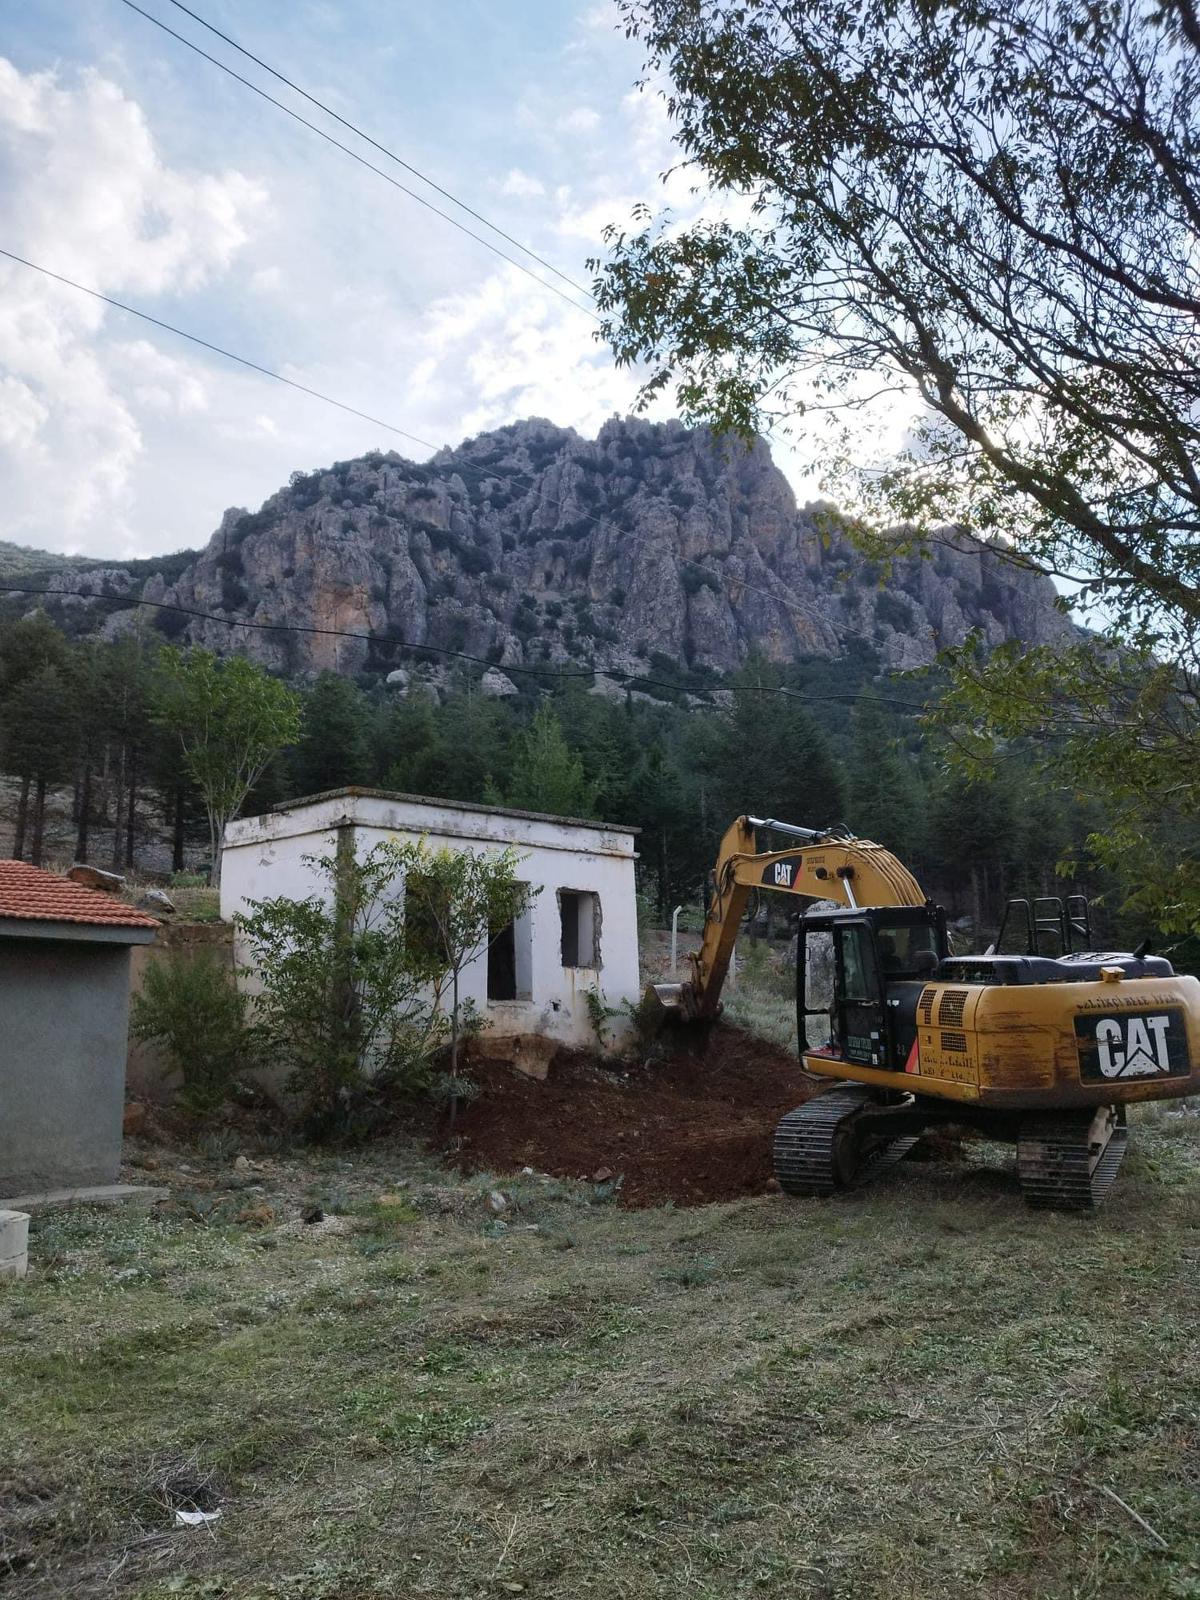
(532, 544)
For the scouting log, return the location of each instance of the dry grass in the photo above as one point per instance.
(919, 1391)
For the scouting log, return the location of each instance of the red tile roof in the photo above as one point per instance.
(32, 895)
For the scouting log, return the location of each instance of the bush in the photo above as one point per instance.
(344, 986)
(192, 1006)
(895, 610)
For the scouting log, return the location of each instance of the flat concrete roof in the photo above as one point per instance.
(354, 792)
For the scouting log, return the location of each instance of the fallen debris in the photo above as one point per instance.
(690, 1128)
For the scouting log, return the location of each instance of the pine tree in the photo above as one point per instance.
(548, 775)
(333, 749)
(885, 798)
(768, 757)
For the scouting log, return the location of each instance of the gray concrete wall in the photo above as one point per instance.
(64, 1019)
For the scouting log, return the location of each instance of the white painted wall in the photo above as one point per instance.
(263, 859)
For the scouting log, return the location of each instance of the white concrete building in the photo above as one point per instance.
(579, 932)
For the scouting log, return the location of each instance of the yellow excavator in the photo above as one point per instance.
(1046, 1046)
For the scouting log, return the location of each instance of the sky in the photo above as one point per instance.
(135, 167)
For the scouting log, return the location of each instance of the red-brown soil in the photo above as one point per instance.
(692, 1127)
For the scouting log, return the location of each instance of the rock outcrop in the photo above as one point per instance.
(532, 544)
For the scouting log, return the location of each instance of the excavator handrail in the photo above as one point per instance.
(826, 865)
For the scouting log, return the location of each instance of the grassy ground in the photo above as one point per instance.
(921, 1390)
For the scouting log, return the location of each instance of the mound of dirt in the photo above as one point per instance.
(693, 1127)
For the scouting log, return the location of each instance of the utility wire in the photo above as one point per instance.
(454, 460)
(425, 444)
(370, 166)
(408, 167)
(632, 679)
(217, 349)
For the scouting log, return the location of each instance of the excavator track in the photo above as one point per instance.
(816, 1152)
(1067, 1162)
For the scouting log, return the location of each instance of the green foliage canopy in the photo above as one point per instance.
(995, 210)
(231, 717)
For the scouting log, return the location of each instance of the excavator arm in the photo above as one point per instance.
(821, 866)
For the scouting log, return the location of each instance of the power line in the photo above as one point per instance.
(631, 678)
(459, 464)
(370, 166)
(408, 167)
(316, 394)
(217, 349)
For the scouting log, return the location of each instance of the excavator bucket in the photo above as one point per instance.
(667, 997)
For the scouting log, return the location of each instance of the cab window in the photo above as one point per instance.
(904, 948)
(859, 978)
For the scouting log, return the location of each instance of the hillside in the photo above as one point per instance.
(533, 544)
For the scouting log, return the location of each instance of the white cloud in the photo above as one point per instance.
(520, 186)
(583, 119)
(86, 194)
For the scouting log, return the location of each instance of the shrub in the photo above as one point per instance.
(343, 985)
(696, 578)
(474, 560)
(193, 1007)
(895, 610)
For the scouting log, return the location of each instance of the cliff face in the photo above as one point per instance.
(532, 544)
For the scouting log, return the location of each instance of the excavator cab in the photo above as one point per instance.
(859, 975)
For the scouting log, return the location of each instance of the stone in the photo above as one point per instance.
(497, 1203)
(135, 1122)
(156, 901)
(14, 1244)
(497, 685)
(602, 1174)
(242, 1164)
(530, 1054)
(397, 679)
(95, 878)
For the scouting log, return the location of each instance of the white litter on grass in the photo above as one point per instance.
(195, 1519)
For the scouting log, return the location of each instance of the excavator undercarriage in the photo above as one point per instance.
(1044, 1048)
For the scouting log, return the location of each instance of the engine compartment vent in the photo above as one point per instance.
(950, 1012)
(955, 1043)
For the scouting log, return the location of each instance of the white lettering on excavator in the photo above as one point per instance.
(1135, 1054)
(783, 874)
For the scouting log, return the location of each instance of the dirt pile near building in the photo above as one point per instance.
(691, 1128)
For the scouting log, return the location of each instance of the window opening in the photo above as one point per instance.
(579, 910)
(510, 957)
(502, 963)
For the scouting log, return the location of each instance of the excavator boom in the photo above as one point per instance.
(821, 866)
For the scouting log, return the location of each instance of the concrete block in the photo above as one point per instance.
(14, 1244)
(104, 1194)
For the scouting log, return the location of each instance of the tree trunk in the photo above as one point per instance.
(39, 821)
(454, 1047)
(22, 820)
(85, 808)
(216, 837)
(177, 832)
(131, 816)
(118, 796)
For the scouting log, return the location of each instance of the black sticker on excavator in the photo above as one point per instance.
(781, 874)
(1132, 1044)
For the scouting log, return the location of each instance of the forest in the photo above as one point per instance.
(91, 773)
